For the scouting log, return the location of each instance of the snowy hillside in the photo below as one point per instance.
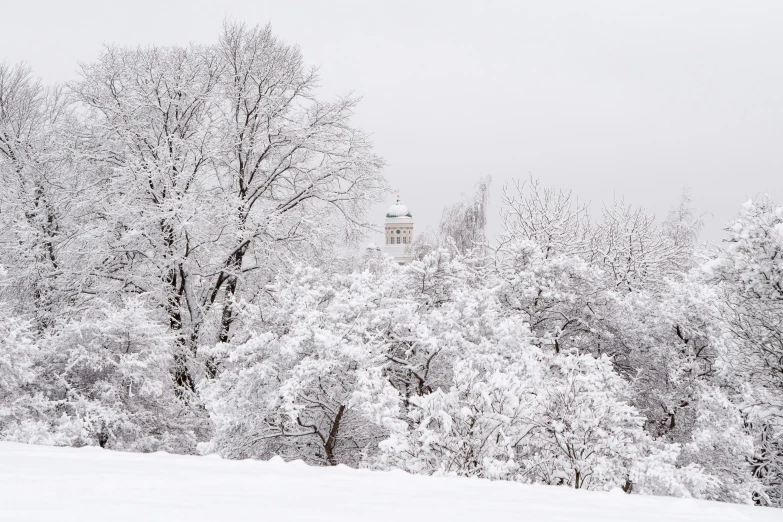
(39, 483)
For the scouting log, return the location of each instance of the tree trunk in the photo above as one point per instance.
(332, 439)
(227, 315)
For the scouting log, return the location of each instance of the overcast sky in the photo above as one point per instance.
(629, 97)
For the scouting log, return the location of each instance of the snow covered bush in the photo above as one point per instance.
(659, 473)
(18, 354)
(104, 380)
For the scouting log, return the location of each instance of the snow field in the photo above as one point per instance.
(45, 484)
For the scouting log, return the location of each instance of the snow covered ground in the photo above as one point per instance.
(39, 483)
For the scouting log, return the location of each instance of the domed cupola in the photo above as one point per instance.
(399, 232)
(398, 210)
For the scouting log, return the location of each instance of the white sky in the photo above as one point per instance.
(638, 98)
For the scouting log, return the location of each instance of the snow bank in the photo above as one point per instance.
(39, 483)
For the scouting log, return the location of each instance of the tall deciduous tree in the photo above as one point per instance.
(43, 197)
(222, 162)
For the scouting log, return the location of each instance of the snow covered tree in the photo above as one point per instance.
(682, 225)
(150, 124)
(634, 251)
(42, 198)
(546, 216)
(748, 274)
(463, 224)
(721, 443)
(443, 301)
(584, 434)
(294, 172)
(223, 165)
(541, 260)
(464, 422)
(510, 410)
(310, 383)
(557, 294)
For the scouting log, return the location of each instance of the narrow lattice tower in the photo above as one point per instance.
(399, 232)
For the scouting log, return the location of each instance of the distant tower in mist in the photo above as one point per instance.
(399, 232)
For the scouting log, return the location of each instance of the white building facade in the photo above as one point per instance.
(399, 233)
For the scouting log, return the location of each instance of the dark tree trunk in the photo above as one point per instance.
(175, 280)
(227, 315)
(332, 439)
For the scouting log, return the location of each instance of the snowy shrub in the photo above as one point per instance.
(658, 473)
(104, 380)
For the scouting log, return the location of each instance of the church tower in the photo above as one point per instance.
(399, 233)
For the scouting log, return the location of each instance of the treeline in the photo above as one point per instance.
(173, 277)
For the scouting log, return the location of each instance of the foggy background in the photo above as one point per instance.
(638, 99)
